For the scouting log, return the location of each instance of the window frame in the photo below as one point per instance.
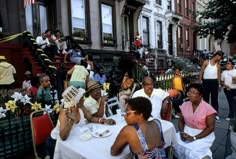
(187, 36)
(158, 2)
(186, 8)
(179, 9)
(180, 37)
(87, 36)
(146, 31)
(114, 38)
(169, 5)
(160, 41)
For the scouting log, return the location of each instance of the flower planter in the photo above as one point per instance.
(15, 136)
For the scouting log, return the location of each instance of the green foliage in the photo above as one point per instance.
(217, 16)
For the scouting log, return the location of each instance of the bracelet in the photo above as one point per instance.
(182, 132)
(99, 120)
(102, 120)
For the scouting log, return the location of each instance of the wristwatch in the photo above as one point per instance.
(194, 138)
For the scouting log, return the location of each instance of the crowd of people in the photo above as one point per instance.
(142, 108)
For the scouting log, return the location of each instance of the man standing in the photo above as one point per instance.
(158, 97)
(209, 76)
(7, 74)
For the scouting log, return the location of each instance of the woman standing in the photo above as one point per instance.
(196, 125)
(144, 137)
(228, 79)
(209, 76)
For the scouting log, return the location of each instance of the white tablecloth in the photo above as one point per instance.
(99, 148)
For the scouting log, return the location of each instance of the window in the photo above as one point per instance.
(179, 6)
(78, 19)
(161, 63)
(186, 8)
(107, 27)
(43, 18)
(194, 10)
(158, 2)
(169, 6)
(187, 38)
(180, 37)
(159, 35)
(29, 18)
(145, 27)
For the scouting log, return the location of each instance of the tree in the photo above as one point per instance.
(219, 20)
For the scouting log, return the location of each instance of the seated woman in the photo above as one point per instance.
(125, 90)
(68, 118)
(196, 126)
(144, 137)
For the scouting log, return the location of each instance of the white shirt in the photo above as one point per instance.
(156, 98)
(226, 76)
(26, 84)
(40, 41)
(210, 71)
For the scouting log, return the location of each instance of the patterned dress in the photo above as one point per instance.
(155, 153)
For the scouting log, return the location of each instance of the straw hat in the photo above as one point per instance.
(2, 57)
(92, 85)
(27, 73)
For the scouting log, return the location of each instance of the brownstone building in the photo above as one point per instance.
(185, 36)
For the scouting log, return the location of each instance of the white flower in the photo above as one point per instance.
(25, 99)
(17, 96)
(48, 108)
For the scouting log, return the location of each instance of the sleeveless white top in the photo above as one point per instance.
(55, 133)
(210, 71)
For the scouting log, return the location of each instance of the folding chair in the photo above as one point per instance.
(113, 104)
(41, 127)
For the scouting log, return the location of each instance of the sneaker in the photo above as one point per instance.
(176, 116)
(218, 119)
(227, 119)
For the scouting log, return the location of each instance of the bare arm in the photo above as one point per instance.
(218, 74)
(210, 122)
(94, 119)
(66, 122)
(100, 112)
(202, 70)
(70, 71)
(65, 57)
(181, 123)
(120, 142)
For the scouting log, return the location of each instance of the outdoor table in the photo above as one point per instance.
(99, 148)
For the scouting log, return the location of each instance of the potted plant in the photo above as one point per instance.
(80, 35)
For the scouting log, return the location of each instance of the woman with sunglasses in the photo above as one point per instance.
(196, 125)
(228, 81)
(144, 137)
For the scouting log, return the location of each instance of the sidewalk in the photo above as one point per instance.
(221, 145)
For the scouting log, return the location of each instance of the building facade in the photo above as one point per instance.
(157, 26)
(186, 37)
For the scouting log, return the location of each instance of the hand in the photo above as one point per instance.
(110, 121)
(81, 103)
(186, 137)
(104, 98)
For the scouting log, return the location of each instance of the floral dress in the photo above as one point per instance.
(155, 153)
